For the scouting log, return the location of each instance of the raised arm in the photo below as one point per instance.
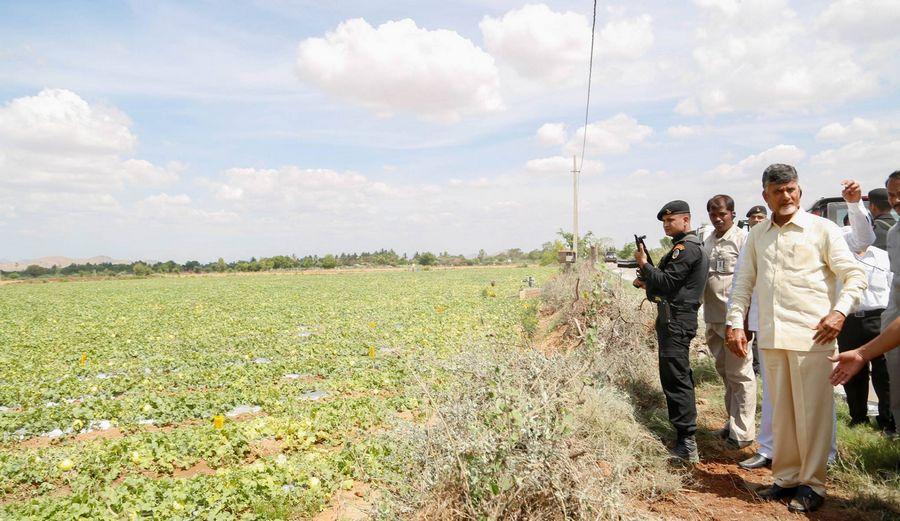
(848, 271)
(861, 234)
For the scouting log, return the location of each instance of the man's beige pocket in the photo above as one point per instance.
(804, 255)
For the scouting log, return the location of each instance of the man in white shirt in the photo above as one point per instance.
(796, 261)
(864, 323)
(858, 235)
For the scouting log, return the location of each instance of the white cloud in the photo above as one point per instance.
(861, 20)
(559, 165)
(627, 38)
(613, 135)
(682, 131)
(868, 161)
(177, 209)
(752, 167)
(56, 139)
(61, 155)
(552, 134)
(858, 128)
(398, 66)
(539, 43)
(761, 56)
(60, 121)
(554, 47)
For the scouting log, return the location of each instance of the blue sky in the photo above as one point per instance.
(188, 130)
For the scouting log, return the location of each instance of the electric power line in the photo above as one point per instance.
(587, 106)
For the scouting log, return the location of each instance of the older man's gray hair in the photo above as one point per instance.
(779, 174)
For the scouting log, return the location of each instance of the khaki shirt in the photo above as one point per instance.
(795, 270)
(723, 254)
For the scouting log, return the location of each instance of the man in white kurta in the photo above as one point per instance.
(796, 261)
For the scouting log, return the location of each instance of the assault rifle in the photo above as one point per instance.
(639, 242)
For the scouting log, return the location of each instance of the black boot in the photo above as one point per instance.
(686, 449)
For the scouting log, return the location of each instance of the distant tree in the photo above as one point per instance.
(426, 259)
(192, 266)
(35, 271)
(220, 265)
(549, 252)
(329, 262)
(627, 251)
(140, 269)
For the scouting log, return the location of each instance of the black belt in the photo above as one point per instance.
(867, 314)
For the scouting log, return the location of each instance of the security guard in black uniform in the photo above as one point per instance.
(676, 287)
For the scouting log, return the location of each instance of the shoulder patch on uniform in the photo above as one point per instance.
(679, 246)
(675, 253)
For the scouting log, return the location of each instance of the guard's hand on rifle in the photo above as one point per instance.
(736, 341)
(638, 283)
(640, 256)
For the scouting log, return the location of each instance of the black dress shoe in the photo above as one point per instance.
(774, 493)
(806, 500)
(756, 461)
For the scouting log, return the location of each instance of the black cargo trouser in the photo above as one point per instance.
(675, 368)
(856, 332)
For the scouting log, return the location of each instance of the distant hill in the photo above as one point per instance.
(60, 262)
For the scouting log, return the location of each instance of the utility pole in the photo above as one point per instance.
(575, 206)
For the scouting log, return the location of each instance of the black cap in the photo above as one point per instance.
(879, 196)
(757, 209)
(673, 208)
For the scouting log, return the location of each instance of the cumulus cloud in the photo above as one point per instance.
(867, 160)
(627, 38)
(179, 210)
(58, 120)
(858, 128)
(559, 165)
(752, 167)
(59, 154)
(57, 139)
(761, 56)
(400, 67)
(552, 134)
(554, 47)
(613, 135)
(865, 20)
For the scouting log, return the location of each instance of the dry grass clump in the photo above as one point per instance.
(610, 321)
(537, 434)
(525, 436)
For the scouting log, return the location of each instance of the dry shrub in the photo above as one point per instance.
(525, 436)
(521, 434)
(611, 322)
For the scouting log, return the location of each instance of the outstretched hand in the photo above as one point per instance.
(848, 364)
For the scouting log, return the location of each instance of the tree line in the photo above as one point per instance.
(544, 256)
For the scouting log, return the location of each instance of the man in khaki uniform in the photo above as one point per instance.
(796, 261)
(723, 247)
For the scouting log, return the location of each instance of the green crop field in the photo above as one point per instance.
(109, 390)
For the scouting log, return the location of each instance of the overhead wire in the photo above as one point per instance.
(587, 106)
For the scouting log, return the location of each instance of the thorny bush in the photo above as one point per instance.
(535, 434)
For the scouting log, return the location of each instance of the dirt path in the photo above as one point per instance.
(720, 490)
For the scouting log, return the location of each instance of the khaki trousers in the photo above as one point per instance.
(802, 420)
(740, 385)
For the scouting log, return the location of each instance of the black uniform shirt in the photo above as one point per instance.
(681, 275)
